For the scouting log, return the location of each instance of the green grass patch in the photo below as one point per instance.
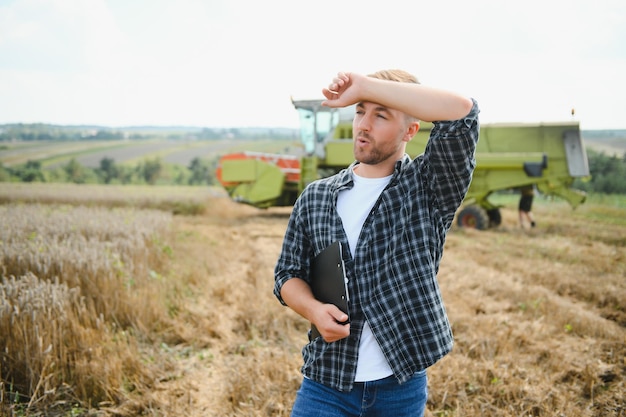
(61, 158)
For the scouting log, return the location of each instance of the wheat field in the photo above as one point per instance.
(128, 311)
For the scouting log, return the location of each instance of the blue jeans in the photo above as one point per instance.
(384, 397)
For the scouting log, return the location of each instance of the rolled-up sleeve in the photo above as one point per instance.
(450, 159)
(292, 262)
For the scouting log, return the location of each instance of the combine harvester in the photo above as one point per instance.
(549, 156)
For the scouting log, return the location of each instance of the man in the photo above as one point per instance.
(525, 206)
(392, 214)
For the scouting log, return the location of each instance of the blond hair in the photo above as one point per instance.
(399, 76)
(395, 75)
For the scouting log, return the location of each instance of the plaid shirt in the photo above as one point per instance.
(392, 278)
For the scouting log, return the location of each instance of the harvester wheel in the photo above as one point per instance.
(495, 218)
(473, 217)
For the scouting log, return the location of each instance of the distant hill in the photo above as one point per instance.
(47, 132)
(612, 142)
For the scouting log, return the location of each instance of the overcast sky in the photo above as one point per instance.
(212, 63)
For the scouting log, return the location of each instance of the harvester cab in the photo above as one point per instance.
(317, 123)
(548, 156)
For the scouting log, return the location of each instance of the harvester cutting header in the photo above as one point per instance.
(549, 156)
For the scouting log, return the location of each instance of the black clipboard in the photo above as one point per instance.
(328, 280)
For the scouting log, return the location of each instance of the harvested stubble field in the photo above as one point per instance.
(539, 318)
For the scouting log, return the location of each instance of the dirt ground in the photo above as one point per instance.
(539, 317)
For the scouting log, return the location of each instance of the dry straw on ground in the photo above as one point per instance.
(539, 317)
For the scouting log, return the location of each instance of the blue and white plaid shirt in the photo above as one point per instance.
(393, 276)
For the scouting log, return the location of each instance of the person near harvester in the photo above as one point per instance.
(525, 206)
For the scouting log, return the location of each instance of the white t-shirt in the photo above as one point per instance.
(353, 206)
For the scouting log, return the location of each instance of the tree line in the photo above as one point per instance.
(149, 171)
(608, 174)
(46, 132)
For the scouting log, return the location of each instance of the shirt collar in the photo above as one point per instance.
(344, 179)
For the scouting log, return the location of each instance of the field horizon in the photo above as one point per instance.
(182, 151)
